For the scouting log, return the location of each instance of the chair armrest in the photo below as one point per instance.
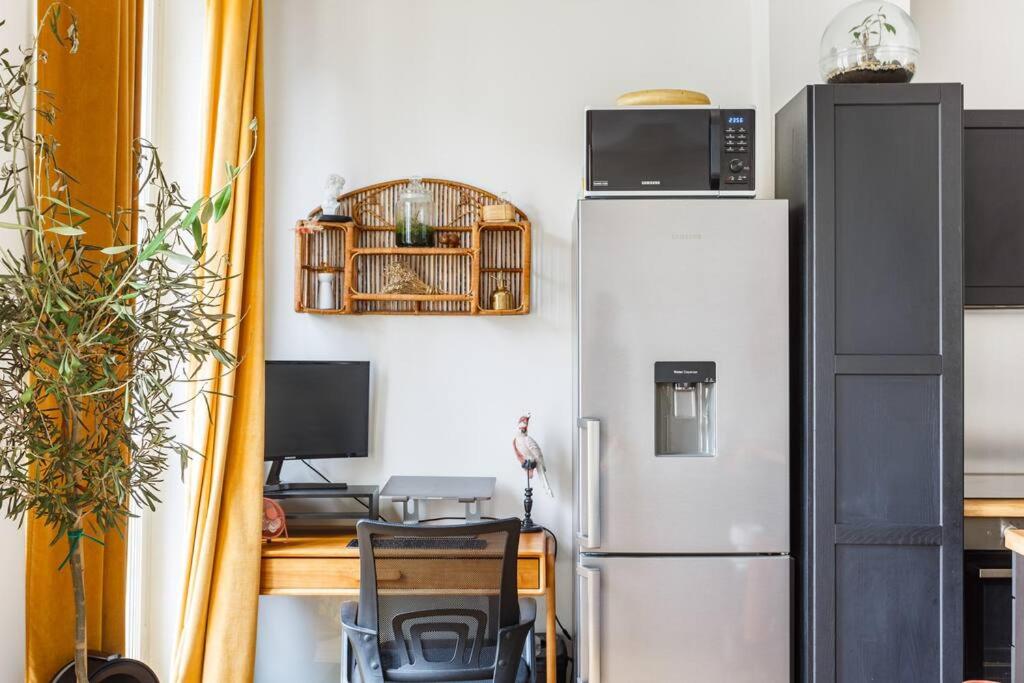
(510, 643)
(364, 644)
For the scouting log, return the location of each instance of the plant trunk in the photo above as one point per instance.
(77, 563)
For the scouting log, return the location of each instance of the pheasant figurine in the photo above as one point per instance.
(529, 454)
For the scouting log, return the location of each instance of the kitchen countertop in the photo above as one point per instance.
(994, 507)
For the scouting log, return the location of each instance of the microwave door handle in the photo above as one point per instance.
(715, 149)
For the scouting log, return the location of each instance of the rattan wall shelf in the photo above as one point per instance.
(465, 276)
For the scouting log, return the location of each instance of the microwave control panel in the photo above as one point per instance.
(737, 150)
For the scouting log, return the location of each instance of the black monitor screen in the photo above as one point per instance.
(317, 409)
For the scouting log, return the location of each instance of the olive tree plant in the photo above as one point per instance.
(93, 337)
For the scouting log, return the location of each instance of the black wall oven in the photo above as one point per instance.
(988, 601)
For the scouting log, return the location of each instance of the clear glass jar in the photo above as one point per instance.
(414, 216)
(870, 42)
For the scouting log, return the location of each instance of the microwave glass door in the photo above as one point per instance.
(650, 149)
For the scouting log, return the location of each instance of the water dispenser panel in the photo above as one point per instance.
(684, 405)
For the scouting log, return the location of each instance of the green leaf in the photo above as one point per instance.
(856, 34)
(26, 395)
(179, 258)
(66, 230)
(12, 195)
(197, 234)
(120, 249)
(14, 226)
(150, 249)
(58, 202)
(221, 203)
(205, 215)
(890, 28)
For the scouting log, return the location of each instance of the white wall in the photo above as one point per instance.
(487, 93)
(20, 16)
(977, 44)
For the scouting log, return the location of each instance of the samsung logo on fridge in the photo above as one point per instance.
(650, 182)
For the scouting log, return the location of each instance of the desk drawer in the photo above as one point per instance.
(528, 573)
(309, 575)
(340, 575)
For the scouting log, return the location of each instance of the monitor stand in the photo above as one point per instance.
(275, 485)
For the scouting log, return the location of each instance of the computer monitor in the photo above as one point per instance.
(315, 409)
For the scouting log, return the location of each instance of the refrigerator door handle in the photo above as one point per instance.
(590, 445)
(592, 628)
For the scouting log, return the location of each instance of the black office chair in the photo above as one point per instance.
(437, 604)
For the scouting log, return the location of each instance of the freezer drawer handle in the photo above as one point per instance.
(592, 629)
(994, 573)
(590, 445)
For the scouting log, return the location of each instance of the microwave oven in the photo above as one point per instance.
(672, 151)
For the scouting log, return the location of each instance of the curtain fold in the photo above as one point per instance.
(97, 93)
(217, 638)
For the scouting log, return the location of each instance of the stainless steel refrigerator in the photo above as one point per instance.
(682, 449)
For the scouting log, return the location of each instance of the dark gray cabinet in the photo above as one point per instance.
(873, 174)
(994, 208)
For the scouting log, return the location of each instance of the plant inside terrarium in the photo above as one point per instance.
(873, 52)
(412, 232)
(868, 33)
(414, 214)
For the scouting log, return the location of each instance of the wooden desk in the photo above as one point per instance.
(993, 507)
(324, 565)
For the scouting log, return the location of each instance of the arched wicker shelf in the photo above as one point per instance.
(464, 275)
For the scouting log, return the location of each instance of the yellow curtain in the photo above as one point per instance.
(217, 639)
(97, 95)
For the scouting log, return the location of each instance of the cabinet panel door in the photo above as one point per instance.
(994, 207)
(886, 229)
(896, 635)
(886, 454)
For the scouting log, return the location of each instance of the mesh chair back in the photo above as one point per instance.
(437, 596)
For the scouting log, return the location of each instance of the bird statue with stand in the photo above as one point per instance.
(531, 459)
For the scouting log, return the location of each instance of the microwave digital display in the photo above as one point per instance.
(737, 119)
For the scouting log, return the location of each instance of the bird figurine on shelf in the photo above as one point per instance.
(531, 459)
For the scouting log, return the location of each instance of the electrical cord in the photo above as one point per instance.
(570, 662)
(554, 541)
(324, 477)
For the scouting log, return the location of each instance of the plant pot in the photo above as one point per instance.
(111, 668)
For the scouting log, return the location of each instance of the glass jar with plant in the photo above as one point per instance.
(414, 215)
(870, 42)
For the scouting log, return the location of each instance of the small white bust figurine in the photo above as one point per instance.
(333, 188)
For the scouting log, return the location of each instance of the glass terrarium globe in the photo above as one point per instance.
(870, 42)
(414, 215)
